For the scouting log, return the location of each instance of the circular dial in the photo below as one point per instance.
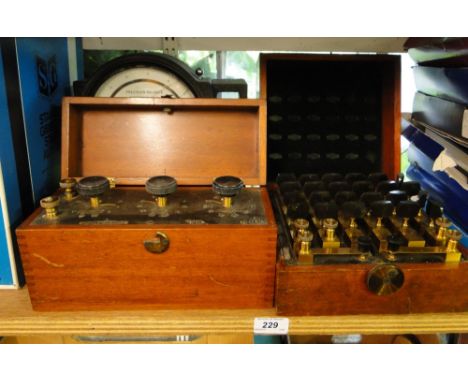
(144, 82)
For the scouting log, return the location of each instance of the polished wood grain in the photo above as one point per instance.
(341, 290)
(17, 318)
(391, 108)
(192, 140)
(90, 267)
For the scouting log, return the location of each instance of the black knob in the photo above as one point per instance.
(377, 177)
(316, 185)
(227, 185)
(396, 196)
(353, 209)
(292, 197)
(362, 186)
(161, 185)
(334, 187)
(364, 243)
(421, 198)
(308, 178)
(369, 197)
(344, 196)
(93, 186)
(319, 197)
(382, 208)
(386, 186)
(290, 186)
(331, 177)
(298, 210)
(395, 242)
(433, 208)
(412, 188)
(285, 177)
(326, 210)
(407, 209)
(355, 177)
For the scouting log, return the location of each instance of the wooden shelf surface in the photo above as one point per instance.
(17, 318)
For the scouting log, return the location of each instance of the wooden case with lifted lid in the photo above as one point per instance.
(340, 115)
(135, 243)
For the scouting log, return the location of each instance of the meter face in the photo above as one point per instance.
(144, 82)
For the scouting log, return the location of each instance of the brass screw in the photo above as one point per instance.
(68, 185)
(161, 201)
(301, 225)
(227, 201)
(454, 236)
(305, 239)
(443, 224)
(50, 204)
(330, 225)
(94, 200)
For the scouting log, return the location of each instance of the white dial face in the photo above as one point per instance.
(144, 82)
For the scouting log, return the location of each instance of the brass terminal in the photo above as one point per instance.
(94, 201)
(300, 227)
(112, 182)
(68, 185)
(330, 225)
(50, 204)
(443, 224)
(161, 201)
(227, 201)
(304, 241)
(453, 254)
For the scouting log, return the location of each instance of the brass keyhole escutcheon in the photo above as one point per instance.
(385, 279)
(159, 244)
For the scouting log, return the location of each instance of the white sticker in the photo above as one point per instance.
(271, 326)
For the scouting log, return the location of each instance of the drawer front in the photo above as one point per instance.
(203, 267)
(341, 290)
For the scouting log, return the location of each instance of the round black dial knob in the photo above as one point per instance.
(433, 208)
(370, 197)
(337, 186)
(395, 242)
(93, 186)
(227, 185)
(308, 178)
(386, 186)
(354, 177)
(364, 243)
(285, 177)
(290, 186)
(377, 177)
(161, 185)
(331, 177)
(411, 188)
(407, 209)
(325, 210)
(353, 209)
(396, 196)
(361, 186)
(316, 185)
(382, 208)
(318, 197)
(344, 196)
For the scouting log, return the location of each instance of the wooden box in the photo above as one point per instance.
(105, 265)
(310, 97)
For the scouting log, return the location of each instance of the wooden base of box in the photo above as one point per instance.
(341, 290)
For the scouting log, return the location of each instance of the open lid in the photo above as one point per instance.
(192, 140)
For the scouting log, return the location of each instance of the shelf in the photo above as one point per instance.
(17, 318)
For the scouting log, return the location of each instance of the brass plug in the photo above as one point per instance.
(50, 204)
(453, 254)
(443, 224)
(300, 227)
(304, 241)
(330, 225)
(68, 186)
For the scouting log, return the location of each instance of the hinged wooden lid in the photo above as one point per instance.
(193, 140)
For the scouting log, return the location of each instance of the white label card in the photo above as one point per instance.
(271, 326)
